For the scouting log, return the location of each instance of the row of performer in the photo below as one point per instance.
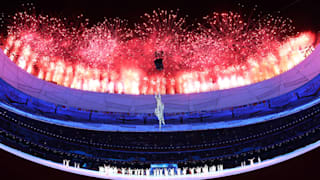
(108, 170)
(112, 170)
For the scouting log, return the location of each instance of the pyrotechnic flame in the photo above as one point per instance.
(226, 50)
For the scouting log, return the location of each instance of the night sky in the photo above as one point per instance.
(306, 16)
(305, 13)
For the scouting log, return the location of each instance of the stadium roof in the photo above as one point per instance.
(264, 90)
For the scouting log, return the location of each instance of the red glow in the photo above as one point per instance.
(223, 52)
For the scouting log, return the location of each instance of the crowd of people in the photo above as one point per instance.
(230, 147)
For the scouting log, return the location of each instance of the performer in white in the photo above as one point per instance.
(159, 110)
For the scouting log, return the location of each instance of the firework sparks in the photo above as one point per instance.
(225, 50)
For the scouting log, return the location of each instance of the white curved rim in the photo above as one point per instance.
(224, 173)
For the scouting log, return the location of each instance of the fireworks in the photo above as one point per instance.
(225, 50)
